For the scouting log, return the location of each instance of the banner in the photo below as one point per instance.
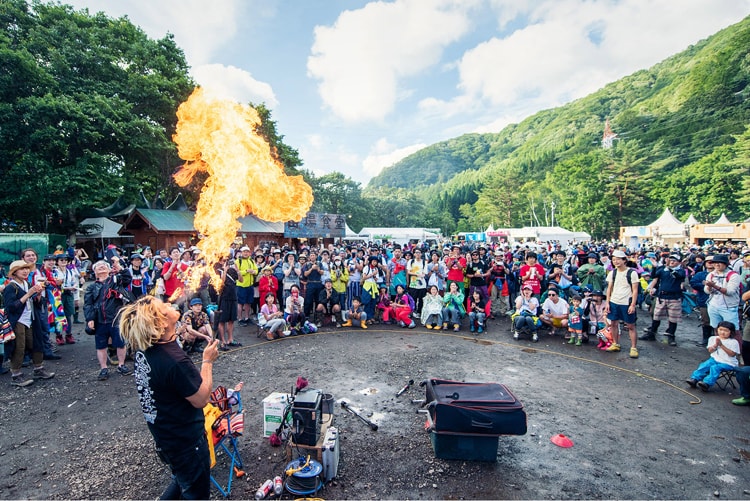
(317, 225)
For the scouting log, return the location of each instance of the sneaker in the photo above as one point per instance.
(363, 325)
(437, 327)
(534, 337)
(471, 328)
(429, 326)
(402, 324)
(412, 324)
(480, 330)
(43, 374)
(338, 325)
(691, 382)
(242, 323)
(445, 326)
(19, 380)
(456, 328)
(614, 347)
(103, 374)
(516, 335)
(348, 323)
(124, 370)
(703, 386)
(633, 352)
(69, 339)
(741, 401)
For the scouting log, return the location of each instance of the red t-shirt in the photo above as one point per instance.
(456, 273)
(536, 281)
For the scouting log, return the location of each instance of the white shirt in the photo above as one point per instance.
(561, 308)
(721, 355)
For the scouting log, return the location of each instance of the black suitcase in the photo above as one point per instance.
(480, 408)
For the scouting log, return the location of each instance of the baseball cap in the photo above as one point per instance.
(620, 254)
(195, 301)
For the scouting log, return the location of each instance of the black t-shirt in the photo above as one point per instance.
(480, 267)
(165, 376)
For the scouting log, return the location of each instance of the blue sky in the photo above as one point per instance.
(357, 85)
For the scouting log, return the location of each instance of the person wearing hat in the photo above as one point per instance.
(622, 298)
(723, 288)
(197, 327)
(526, 313)
(69, 279)
(18, 300)
(268, 284)
(666, 289)
(592, 274)
(248, 271)
(140, 281)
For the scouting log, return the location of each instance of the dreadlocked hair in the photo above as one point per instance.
(142, 323)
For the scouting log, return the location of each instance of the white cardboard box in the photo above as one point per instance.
(273, 411)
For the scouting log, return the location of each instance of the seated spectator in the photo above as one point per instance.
(723, 349)
(355, 315)
(197, 327)
(453, 307)
(476, 311)
(294, 313)
(525, 316)
(273, 318)
(555, 310)
(402, 307)
(432, 309)
(329, 304)
(384, 305)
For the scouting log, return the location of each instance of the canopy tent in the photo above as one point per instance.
(691, 221)
(668, 227)
(98, 228)
(723, 219)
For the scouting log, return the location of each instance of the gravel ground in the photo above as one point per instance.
(638, 432)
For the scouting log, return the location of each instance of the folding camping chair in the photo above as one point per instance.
(726, 378)
(227, 419)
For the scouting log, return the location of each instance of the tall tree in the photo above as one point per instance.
(87, 107)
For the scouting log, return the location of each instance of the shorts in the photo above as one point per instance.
(104, 333)
(619, 312)
(245, 295)
(668, 309)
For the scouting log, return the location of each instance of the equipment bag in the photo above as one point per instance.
(483, 408)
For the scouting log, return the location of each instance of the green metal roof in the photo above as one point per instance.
(174, 220)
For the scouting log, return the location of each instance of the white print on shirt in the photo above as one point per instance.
(145, 393)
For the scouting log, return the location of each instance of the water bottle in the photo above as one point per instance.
(278, 486)
(264, 489)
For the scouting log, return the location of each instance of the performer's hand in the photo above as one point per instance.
(211, 352)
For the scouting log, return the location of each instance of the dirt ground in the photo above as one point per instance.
(638, 432)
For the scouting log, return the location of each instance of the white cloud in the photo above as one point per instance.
(383, 154)
(571, 48)
(200, 28)
(234, 83)
(361, 59)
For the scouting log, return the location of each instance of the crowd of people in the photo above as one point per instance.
(579, 293)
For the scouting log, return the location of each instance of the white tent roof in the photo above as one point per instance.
(723, 219)
(691, 221)
(99, 227)
(666, 220)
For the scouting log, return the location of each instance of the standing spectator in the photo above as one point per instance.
(354, 286)
(592, 274)
(666, 287)
(436, 272)
(172, 394)
(340, 280)
(314, 276)
(40, 320)
(17, 298)
(701, 298)
(532, 273)
(139, 284)
(172, 275)
(397, 271)
(478, 272)
(723, 288)
(456, 265)
(372, 274)
(416, 269)
(69, 278)
(268, 283)
(247, 270)
(620, 305)
(500, 292)
(56, 320)
(103, 301)
(292, 271)
(227, 302)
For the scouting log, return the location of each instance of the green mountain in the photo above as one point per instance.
(682, 142)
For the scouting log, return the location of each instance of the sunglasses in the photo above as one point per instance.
(551, 294)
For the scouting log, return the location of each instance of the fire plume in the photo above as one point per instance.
(219, 137)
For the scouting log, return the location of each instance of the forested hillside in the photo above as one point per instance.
(682, 143)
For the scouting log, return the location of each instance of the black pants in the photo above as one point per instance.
(191, 471)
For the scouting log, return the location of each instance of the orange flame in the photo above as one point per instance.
(218, 137)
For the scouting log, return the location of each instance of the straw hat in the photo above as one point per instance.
(18, 265)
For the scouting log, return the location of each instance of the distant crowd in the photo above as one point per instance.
(580, 292)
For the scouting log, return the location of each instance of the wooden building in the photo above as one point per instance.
(162, 228)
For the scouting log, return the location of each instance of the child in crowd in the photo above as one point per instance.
(575, 321)
(384, 305)
(432, 309)
(355, 314)
(723, 349)
(597, 317)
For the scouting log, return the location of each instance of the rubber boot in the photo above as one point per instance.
(60, 340)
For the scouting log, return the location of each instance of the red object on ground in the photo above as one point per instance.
(561, 440)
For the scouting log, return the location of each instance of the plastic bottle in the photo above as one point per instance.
(264, 489)
(278, 486)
